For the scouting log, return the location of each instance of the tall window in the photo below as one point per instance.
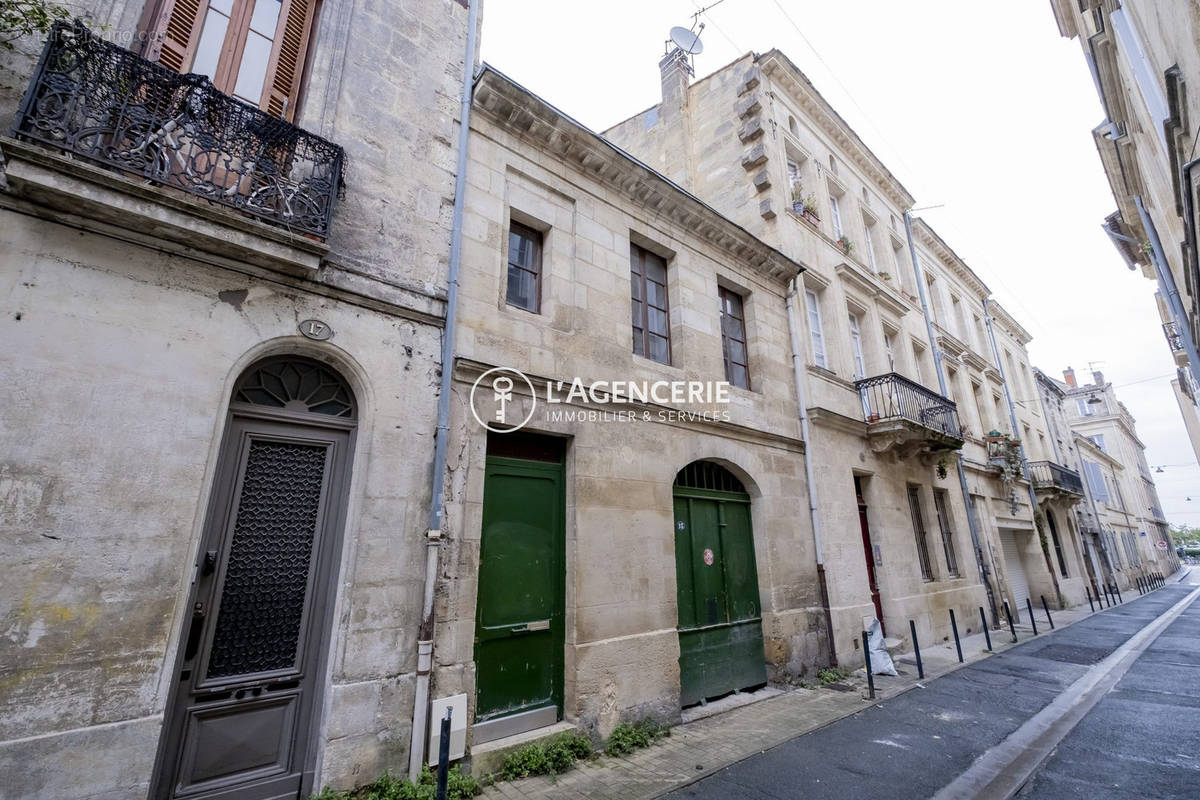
(889, 347)
(733, 338)
(1085, 409)
(1058, 548)
(524, 267)
(1095, 479)
(835, 214)
(815, 333)
(914, 507)
(251, 49)
(918, 354)
(860, 369)
(869, 240)
(651, 323)
(1098, 440)
(943, 515)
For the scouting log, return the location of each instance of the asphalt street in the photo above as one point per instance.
(1143, 738)
(1138, 741)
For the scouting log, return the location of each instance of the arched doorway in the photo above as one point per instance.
(720, 620)
(246, 684)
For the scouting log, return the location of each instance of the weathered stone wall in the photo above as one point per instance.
(121, 359)
(621, 609)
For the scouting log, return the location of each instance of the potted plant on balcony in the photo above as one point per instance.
(884, 276)
(797, 198)
(846, 245)
(941, 470)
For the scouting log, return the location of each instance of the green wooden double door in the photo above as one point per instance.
(519, 608)
(720, 619)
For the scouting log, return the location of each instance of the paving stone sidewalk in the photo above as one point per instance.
(700, 748)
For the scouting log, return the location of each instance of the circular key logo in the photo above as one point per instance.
(494, 404)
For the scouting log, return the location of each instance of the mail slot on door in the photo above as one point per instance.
(540, 625)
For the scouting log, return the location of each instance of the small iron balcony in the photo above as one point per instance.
(100, 102)
(905, 415)
(1050, 477)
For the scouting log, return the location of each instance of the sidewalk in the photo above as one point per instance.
(705, 746)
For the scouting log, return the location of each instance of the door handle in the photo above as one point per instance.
(539, 625)
(194, 631)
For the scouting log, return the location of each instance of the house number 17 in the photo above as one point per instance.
(315, 329)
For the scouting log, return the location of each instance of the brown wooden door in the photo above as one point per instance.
(868, 552)
(246, 683)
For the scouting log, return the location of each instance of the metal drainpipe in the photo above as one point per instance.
(813, 510)
(937, 368)
(433, 536)
(1166, 282)
(1012, 419)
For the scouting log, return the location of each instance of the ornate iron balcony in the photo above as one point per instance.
(1050, 476)
(101, 102)
(1174, 339)
(892, 401)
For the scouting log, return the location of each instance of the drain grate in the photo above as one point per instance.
(1072, 654)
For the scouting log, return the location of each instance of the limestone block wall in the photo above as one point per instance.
(121, 363)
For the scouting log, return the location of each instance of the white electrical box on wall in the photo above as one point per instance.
(458, 727)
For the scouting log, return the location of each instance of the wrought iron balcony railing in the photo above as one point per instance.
(103, 103)
(1048, 475)
(894, 397)
(1174, 339)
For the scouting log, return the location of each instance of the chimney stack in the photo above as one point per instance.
(1069, 377)
(676, 69)
(1098, 377)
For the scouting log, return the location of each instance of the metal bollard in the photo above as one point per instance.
(1089, 597)
(1046, 608)
(1107, 597)
(1119, 598)
(912, 628)
(443, 771)
(987, 635)
(867, 659)
(1029, 608)
(1011, 628)
(957, 644)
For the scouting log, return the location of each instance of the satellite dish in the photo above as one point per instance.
(687, 41)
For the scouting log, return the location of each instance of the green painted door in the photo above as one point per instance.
(720, 621)
(519, 610)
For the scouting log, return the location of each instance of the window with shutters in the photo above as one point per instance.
(648, 297)
(733, 338)
(253, 50)
(947, 531)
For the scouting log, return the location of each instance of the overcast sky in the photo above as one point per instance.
(981, 108)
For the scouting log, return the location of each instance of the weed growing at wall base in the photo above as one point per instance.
(389, 787)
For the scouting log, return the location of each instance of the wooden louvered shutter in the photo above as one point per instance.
(287, 58)
(177, 32)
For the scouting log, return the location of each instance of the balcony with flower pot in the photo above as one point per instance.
(906, 418)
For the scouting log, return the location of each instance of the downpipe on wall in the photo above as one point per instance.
(1012, 420)
(814, 513)
(437, 505)
(937, 368)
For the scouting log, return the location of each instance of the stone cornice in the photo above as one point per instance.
(525, 115)
(950, 259)
(872, 287)
(830, 123)
(1015, 329)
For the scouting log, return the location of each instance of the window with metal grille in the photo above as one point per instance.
(524, 268)
(733, 338)
(708, 475)
(943, 515)
(651, 319)
(918, 521)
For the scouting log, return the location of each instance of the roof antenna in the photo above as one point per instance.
(688, 41)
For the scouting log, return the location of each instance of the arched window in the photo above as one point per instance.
(296, 384)
(708, 475)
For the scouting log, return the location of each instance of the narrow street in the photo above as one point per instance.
(986, 730)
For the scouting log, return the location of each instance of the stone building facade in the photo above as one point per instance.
(1142, 57)
(221, 334)
(629, 566)
(1113, 461)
